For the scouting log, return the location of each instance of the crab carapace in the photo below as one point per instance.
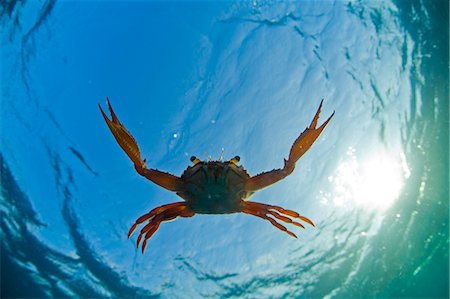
(214, 187)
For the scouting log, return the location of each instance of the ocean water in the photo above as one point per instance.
(190, 78)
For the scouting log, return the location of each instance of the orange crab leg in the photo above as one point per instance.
(152, 213)
(289, 213)
(186, 212)
(263, 211)
(127, 142)
(156, 217)
(271, 220)
(285, 219)
(301, 145)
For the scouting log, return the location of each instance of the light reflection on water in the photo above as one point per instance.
(374, 182)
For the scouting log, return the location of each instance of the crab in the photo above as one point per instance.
(214, 187)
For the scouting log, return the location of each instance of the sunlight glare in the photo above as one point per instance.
(374, 183)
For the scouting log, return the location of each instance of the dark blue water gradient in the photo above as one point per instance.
(32, 269)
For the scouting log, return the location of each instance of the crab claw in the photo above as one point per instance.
(123, 137)
(131, 148)
(306, 139)
(301, 145)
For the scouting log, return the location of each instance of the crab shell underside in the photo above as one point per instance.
(215, 187)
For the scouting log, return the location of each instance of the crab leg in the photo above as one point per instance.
(285, 219)
(186, 212)
(289, 213)
(301, 145)
(152, 213)
(263, 211)
(156, 217)
(127, 142)
(274, 223)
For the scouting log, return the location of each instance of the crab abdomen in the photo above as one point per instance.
(214, 187)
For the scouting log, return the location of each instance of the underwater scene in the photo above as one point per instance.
(216, 80)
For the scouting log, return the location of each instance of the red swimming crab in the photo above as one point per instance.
(214, 187)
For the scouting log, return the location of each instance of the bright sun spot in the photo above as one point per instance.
(374, 183)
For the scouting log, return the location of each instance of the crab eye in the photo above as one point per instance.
(195, 160)
(235, 160)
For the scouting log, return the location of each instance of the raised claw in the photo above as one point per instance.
(306, 138)
(300, 146)
(123, 137)
(131, 148)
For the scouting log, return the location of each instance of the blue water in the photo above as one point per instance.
(190, 78)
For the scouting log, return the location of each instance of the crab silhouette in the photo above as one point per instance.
(214, 187)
